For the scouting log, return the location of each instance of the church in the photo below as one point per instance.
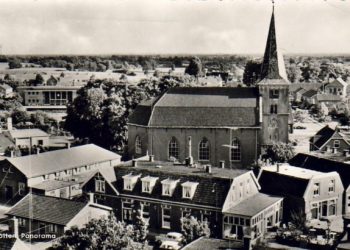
(220, 126)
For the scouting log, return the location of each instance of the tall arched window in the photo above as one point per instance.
(138, 145)
(235, 150)
(173, 148)
(204, 150)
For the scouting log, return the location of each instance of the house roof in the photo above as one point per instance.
(49, 185)
(312, 162)
(5, 86)
(59, 160)
(186, 106)
(213, 244)
(310, 93)
(212, 188)
(338, 81)
(253, 205)
(26, 133)
(46, 208)
(323, 135)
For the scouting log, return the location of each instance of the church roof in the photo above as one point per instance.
(272, 67)
(201, 106)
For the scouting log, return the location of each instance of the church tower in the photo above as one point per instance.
(274, 92)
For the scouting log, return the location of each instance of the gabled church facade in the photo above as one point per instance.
(216, 125)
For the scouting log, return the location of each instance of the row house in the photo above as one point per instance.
(165, 192)
(316, 194)
(19, 173)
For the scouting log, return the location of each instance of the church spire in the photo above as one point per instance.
(273, 64)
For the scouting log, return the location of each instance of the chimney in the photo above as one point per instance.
(15, 227)
(328, 149)
(151, 158)
(134, 163)
(334, 150)
(37, 151)
(346, 152)
(12, 154)
(208, 169)
(189, 159)
(9, 123)
(91, 198)
(68, 145)
(222, 164)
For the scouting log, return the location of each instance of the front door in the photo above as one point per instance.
(8, 193)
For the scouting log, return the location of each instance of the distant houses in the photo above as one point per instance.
(28, 137)
(6, 91)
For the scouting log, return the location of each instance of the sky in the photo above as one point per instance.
(172, 26)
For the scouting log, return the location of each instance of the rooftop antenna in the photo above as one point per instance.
(273, 5)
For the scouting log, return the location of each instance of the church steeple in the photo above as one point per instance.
(273, 67)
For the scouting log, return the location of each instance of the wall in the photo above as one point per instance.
(88, 213)
(157, 141)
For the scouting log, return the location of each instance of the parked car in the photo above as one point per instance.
(175, 236)
(170, 244)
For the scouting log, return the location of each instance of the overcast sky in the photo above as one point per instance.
(171, 26)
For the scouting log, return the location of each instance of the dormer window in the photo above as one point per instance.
(148, 184)
(130, 181)
(188, 189)
(168, 186)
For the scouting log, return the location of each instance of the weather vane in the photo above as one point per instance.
(273, 4)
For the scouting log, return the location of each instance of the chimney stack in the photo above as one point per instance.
(15, 227)
(189, 159)
(151, 158)
(134, 163)
(68, 145)
(12, 154)
(328, 149)
(9, 123)
(37, 151)
(208, 169)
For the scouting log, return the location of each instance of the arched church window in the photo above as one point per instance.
(204, 150)
(173, 148)
(138, 145)
(235, 150)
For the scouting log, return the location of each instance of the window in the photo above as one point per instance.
(235, 150)
(138, 145)
(173, 148)
(148, 183)
(166, 215)
(186, 192)
(331, 186)
(130, 181)
(22, 222)
(273, 109)
(274, 93)
(146, 187)
(100, 186)
(168, 186)
(52, 228)
(316, 189)
(127, 206)
(336, 144)
(204, 150)
(145, 207)
(188, 189)
(332, 207)
(240, 190)
(21, 188)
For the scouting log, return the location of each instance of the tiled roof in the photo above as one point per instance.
(182, 107)
(253, 205)
(277, 184)
(310, 93)
(48, 209)
(59, 160)
(25, 133)
(324, 135)
(211, 190)
(323, 165)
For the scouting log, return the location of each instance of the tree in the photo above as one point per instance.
(52, 81)
(252, 72)
(20, 116)
(279, 152)
(15, 64)
(195, 68)
(105, 233)
(193, 229)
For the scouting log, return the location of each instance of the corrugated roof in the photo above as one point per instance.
(253, 205)
(58, 160)
(310, 93)
(47, 209)
(26, 133)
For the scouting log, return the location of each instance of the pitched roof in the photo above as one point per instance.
(59, 160)
(323, 135)
(339, 80)
(273, 65)
(53, 184)
(310, 93)
(328, 97)
(5, 86)
(317, 163)
(25, 133)
(211, 190)
(183, 107)
(253, 205)
(46, 208)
